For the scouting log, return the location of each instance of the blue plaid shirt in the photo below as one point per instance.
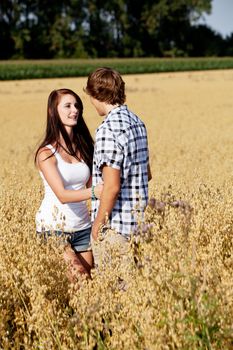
(121, 143)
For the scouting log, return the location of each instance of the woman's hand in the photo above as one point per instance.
(98, 190)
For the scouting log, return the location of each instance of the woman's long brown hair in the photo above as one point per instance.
(82, 139)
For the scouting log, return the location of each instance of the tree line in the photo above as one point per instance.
(36, 29)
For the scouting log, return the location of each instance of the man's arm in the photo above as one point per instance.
(112, 186)
(149, 172)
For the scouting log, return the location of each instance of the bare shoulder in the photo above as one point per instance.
(45, 154)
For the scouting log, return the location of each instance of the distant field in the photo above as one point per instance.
(35, 69)
(178, 293)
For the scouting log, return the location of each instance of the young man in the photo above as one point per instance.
(121, 161)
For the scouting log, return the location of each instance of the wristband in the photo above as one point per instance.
(93, 197)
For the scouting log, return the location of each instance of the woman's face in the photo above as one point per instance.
(68, 110)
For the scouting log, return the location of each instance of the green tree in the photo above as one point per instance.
(9, 18)
(136, 28)
(211, 43)
(168, 23)
(106, 28)
(47, 30)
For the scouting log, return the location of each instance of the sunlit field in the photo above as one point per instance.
(178, 291)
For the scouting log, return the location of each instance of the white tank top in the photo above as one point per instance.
(52, 214)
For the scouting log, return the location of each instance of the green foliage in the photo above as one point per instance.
(15, 70)
(106, 28)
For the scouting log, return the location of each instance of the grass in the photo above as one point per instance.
(179, 286)
(36, 69)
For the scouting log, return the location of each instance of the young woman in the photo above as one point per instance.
(64, 160)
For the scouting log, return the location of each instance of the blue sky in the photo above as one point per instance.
(221, 18)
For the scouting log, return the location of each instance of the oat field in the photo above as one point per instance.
(178, 292)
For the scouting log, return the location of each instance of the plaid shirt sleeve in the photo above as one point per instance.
(108, 150)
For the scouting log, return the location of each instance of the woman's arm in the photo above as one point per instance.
(48, 167)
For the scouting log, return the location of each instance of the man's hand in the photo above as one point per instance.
(111, 189)
(94, 232)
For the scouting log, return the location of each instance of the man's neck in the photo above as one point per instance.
(109, 108)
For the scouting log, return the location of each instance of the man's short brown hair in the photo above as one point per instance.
(106, 85)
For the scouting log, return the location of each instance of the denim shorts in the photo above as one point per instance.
(79, 240)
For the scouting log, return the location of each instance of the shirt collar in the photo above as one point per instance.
(114, 111)
(111, 114)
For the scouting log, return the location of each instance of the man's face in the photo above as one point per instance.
(99, 106)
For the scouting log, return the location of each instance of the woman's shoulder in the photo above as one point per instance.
(45, 153)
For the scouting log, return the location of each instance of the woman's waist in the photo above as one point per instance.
(68, 226)
(50, 204)
(64, 217)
